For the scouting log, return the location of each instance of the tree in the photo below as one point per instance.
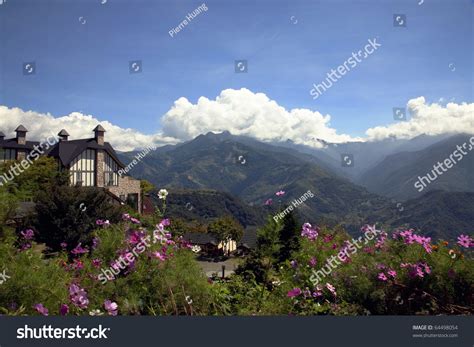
(226, 229)
(289, 239)
(69, 214)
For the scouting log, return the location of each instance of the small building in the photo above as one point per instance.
(91, 162)
(210, 244)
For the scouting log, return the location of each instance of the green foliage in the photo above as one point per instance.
(226, 229)
(68, 214)
(289, 237)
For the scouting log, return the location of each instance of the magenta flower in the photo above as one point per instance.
(465, 241)
(96, 262)
(268, 202)
(309, 232)
(41, 309)
(392, 273)
(160, 256)
(312, 262)
(126, 217)
(165, 222)
(79, 250)
(381, 276)
(63, 309)
(294, 292)
(134, 221)
(78, 296)
(280, 193)
(28, 234)
(111, 307)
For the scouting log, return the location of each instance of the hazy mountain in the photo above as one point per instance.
(438, 214)
(365, 155)
(242, 173)
(204, 205)
(396, 175)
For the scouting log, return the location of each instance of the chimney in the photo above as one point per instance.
(21, 135)
(2, 136)
(63, 135)
(99, 134)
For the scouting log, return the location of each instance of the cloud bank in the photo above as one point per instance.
(243, 112)
(428, 119)
(78, 125)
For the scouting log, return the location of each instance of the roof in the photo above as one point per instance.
(12, 143)
(249, 238)
(201, 238)
(21, 128)
(99, 128)
(67, 151)
(63, 132)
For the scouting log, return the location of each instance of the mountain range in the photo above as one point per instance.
(226, 174)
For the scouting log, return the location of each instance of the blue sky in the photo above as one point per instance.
(84, 67)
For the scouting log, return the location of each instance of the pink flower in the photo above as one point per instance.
(268, 202)
(111, 307)
(134, 221)
(28, 234)
(78, 296)
(79, 250)
(294, 292)
(381, 276)
(165, 222)
(41, 309)
(159, 256)
(392, 273)
(63, 245)
(309, 232)
(312, 262)
(465, 241)
(126, 217)
(280, 193)
(63, 309)
(96, 262)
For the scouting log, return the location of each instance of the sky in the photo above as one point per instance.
(188, 85)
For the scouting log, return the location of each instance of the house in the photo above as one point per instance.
(91, 162)
(209, 243)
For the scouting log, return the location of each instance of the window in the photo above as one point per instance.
(7, 154)
(110, 171)
(132, 201)
(82, 169)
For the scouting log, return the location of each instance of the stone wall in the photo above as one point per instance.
(127, 185)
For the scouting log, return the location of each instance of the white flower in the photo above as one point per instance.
(96, 313)
(189, 300)
(162, 194)
(196, 249)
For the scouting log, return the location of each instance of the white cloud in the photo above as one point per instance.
(243, 112)
(429, 119)
(78, 125)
